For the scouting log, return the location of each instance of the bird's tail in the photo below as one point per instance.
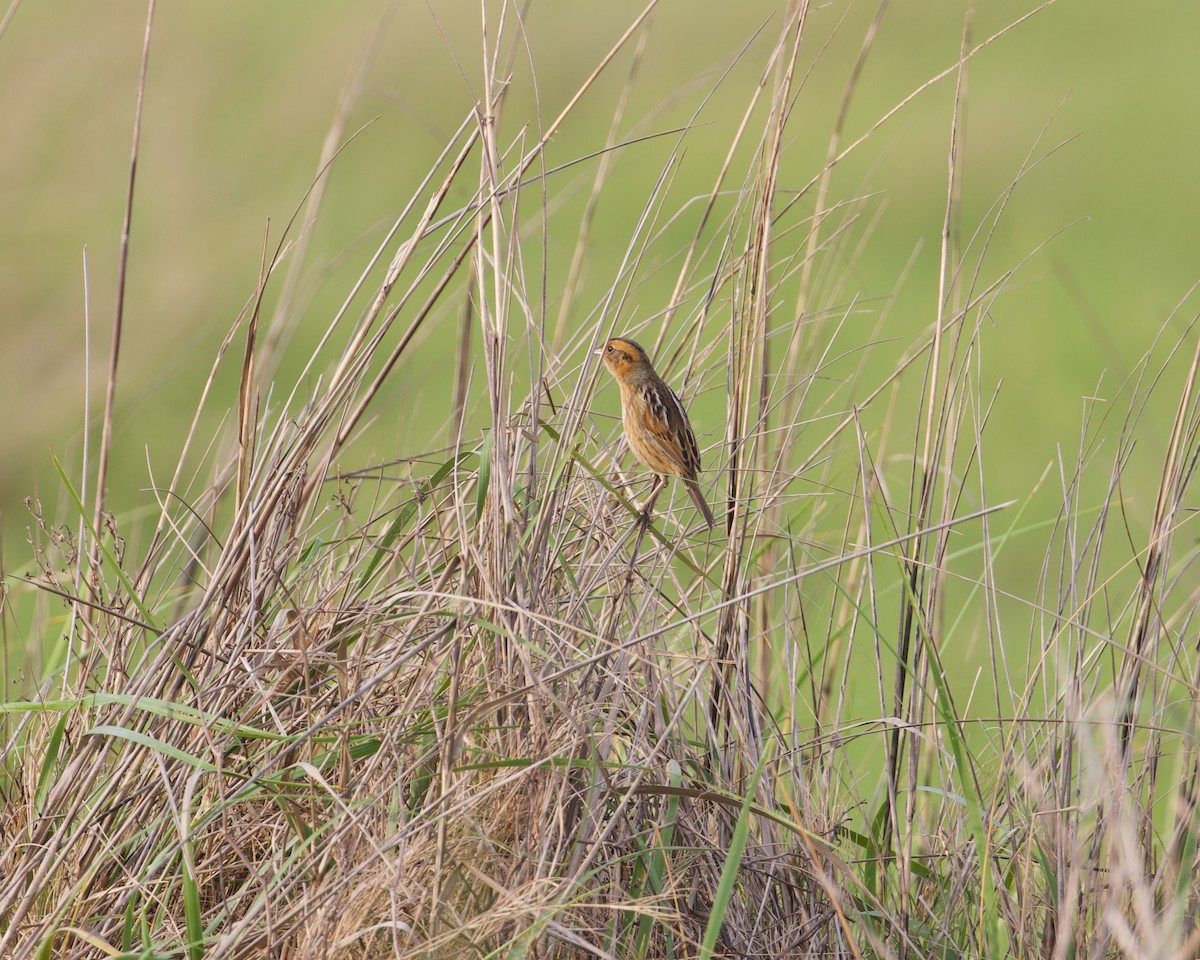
(693, 489)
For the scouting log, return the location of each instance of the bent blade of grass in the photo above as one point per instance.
(151, 743)
(167, 709)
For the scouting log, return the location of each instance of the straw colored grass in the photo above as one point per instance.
(460, 703)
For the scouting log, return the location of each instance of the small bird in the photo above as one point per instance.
(656, 425)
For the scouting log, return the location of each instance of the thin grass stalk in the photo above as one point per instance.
(1146, 624)
(81, 529)
(747, 366)
(110, 393)
(248, 394)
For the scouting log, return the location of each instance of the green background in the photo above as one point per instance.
(240, 96)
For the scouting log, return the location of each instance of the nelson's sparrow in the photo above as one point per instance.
(656, 425)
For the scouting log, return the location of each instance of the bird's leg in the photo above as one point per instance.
(659, 483)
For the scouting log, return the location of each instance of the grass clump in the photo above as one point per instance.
(461, 703)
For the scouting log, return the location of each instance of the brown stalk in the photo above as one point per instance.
(119, 313)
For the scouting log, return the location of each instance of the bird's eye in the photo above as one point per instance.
(608, 349)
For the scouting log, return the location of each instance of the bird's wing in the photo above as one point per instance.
(667, 422)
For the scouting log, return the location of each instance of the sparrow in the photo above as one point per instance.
(656, 424)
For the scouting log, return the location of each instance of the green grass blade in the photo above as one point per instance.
(733, 860)
(145, 740)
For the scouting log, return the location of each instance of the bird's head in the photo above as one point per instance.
(624, 357)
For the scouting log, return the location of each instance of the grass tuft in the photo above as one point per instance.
(460, 703)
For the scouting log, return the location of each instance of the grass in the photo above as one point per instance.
(459, 703)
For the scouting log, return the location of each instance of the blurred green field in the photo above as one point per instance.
(240, 97)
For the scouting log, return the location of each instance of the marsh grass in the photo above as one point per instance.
(460, 703)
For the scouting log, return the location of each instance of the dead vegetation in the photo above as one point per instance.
(464, 705)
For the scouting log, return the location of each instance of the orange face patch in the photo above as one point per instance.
(621, 354)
